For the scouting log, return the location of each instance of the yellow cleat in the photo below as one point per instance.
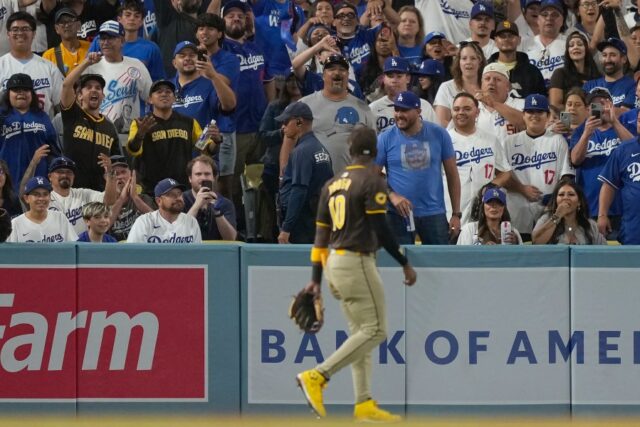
(311, 383)
(369, 412)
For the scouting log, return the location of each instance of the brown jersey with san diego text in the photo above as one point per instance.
(346, 201)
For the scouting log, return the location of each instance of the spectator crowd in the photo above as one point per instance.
(183, 121)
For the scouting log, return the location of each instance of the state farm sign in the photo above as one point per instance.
(102, 334)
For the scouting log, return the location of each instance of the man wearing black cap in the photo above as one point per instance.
(336, 113)
(87, 133)
(70, 52)
(614, 64)
(168, 224)
(163, 141)
(308, 169)
(525, 77)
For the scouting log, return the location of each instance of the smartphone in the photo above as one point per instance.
(565, 118)
(202, 55)
(208, 184)
(596, 111)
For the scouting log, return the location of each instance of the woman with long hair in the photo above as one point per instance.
(410, 34)
(587, 13)
(430, 75)
(371, 77)
(579, 67)
(8, 199)
(486, 230)
(566, 219)
(467, 77)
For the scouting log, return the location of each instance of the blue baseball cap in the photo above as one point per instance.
(552, 3)
(235, 4)
(434, 35)
(431, 67)
(528, 3)
(494, 194)
(166, 185)
(396, 64)
(615, 43)
(536, 102)
(112, 28)
(482, 9)
(62, 163)
(296, 109)
(184, 45)
(407, 100)
(37, 182)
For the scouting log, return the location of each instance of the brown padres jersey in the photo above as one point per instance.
(345, 202)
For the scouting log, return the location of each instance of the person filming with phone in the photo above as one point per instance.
(591, 145)
(215, 214)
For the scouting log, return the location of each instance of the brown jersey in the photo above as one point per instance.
(345, 202)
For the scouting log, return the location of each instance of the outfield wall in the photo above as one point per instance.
(203, 330)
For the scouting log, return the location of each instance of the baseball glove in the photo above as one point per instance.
(307, 311)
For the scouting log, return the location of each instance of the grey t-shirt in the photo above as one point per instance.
(333, 122)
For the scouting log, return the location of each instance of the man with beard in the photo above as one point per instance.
(500, 114)
(614, 63)
(546, 50)
(39, 224)
(87, 133)
(130, 204)
(525, 77)
(396, 79)
(204, 94)
(414, 153)
(163, 141)
(478, 153)
(168, 224)
(336, 113)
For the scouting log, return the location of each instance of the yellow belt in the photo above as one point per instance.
(348, 252)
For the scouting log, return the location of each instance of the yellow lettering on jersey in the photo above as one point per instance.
(104, 140)
(177, 133)
(82, 132)
(340, 184)
(159, 134)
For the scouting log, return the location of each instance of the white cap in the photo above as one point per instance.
(496, 67)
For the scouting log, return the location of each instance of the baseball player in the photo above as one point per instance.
(351, 220)
(537, 160)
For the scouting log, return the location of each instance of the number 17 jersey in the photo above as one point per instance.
(346, 202)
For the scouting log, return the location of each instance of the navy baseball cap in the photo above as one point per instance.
(407, 100)
(336, 59)
(296, 109)
(166, 185)
(494, 194)
(434, 35)
(62, 163)
(37, 182)
(482, 9)
(431, 67)
(119, 160)
(159, 83)
(552, 3)
(396, 64)
(599, 92)
(312, 29)
(235, 4)
(613, 42)
(184, 45)
(528, 3)
(19, 81)
(112, 28)
(536, 102)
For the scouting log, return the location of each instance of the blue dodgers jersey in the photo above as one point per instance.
(622, 171)
(146, 51)
(629, 120)
(21, 136)
(414, 165)
(623, 91)
(412, 54)
(358, 49)
(198, 99)
(600, 146)
(251, 99)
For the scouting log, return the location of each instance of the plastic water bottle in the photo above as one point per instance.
(203, 141)
(409, 222)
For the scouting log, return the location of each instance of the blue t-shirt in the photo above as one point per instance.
(622, 171)
(198, 99)
(358, 49)
(227, 64)
(251, 99)
(84, 237)
(414, 165)
(622, 90)
(274, 22)
(20, 136)
(600, 146)
(629, 120)
(146, 51)
(412, 54)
